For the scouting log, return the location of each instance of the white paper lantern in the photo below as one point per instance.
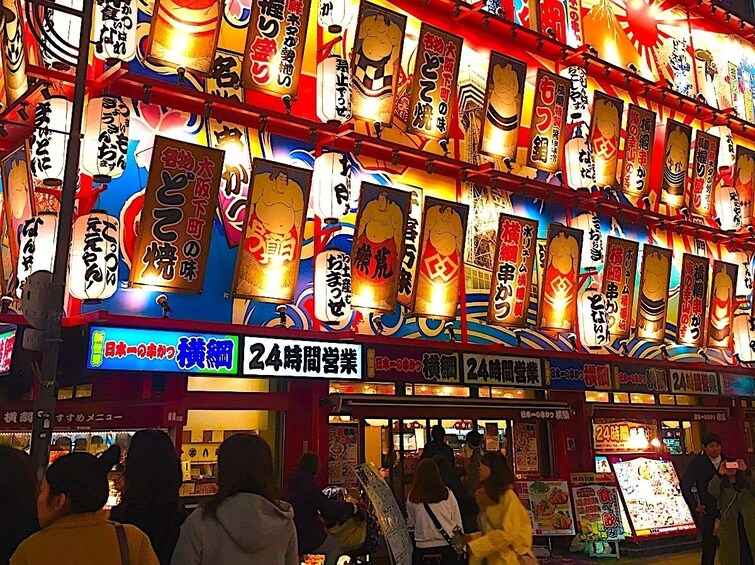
(743, 331)
(579, 101)
(593, 321)
(592, 242)
(744, 272)
(331, 186)
(36, 251)
(334, 90)
(333, 287)
(114, 30)
(49, 142)
(578, 162)
(59, 34)
(726, 149)
(105, 143)
(93, 264)
(728, 208)
(335, 15)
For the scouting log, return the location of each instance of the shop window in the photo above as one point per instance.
(666, 399)
(681, 437)
(83, 391)
(228, 384)
(637, 398)
(621, 397)
(595, 396)
(500, 392)
(361, 388)
(686, 400)
(437, 390)
(65, 393)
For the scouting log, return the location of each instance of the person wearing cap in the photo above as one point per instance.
(695, 491)
(75, 529)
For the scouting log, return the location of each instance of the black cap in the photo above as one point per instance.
(710, 437)
(83, 478)
(474, 438)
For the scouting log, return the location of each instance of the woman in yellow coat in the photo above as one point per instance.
(506, 531)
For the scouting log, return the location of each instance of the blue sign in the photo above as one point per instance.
(578, 375)
(134, 349)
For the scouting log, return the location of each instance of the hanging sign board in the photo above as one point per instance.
(414, 365)
(638, 150)
(502, 370)
(546, 145)
(695, 382)
(618, 284)
(693, 290)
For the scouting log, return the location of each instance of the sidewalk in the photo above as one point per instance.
(687, 558)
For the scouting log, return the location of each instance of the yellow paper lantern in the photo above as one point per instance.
(93, 264)
(49, 142)
(334, 90)
(37, 244)
(105, 142)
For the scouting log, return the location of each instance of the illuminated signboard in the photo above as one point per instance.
(137, 349)
(270, 357)
(7, 341)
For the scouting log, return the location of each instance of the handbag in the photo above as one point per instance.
(717, 523)
(460, 552)
(120, 533)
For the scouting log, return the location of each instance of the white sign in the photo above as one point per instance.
(503, 370)
(271, 357)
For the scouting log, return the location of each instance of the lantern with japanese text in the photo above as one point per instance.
(49, 142)
(728, 208)
(744, 274)
(744, 337)
(593, 322)
(115, 30)
(578, 161)
(57, 32)
(333, 287)
(335, 15)
(105, 141)
(93, 264)
(592, 242)
(38, 239)
(331, 186)
(334, 90)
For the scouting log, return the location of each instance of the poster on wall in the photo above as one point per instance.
(18, 196)
(546, 147)
(549, 505)
(653, 497)
(675, 163)
(343, 453)
(436, 72)
(693, 290)
(722, 304)
(704, 171)
(274, 52)
(441, 259)
(597, 509)
(176, 222)
(638, 151)
(377, 249)
(267, 265)
(654, 287)
(407, 278)
(618, 284)
(605, 135)
(513, 267)
(559, 279)
(526, 451)
(743, 178)
(503, 106)
(184, 34)
(376, 62)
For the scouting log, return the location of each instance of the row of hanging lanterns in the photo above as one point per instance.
(743, 331)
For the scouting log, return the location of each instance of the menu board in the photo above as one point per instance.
(389, 516)
(343, 453)
(598, 512)
(652, 496)
(549, 507)
(526, 459)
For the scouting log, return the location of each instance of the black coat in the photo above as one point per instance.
(16, 527)
(434, 448)
(698, 474)
(161, 523)
(309, 504)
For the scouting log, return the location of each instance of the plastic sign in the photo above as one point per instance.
(638, 151)
(605, 135)
(704, 171)
(275, 358)
(675, 163)
(722, 304)
(654, 287)
(503, 106)
(693, 290)
(159, 351)
(618, 284)
(548, 122)
(558, 295)
(503, 370)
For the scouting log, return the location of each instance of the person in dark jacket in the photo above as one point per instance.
(695, 491)
(152, 477)
(467, 504)
(309, 503)
(18, 500)
(438, 447)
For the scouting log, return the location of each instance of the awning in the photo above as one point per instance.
(449, 408)
(660, 412)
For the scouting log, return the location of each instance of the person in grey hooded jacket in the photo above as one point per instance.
(245, 522)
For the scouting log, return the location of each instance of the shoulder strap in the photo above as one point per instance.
(437, 524)
(733, 500)
(120, 533)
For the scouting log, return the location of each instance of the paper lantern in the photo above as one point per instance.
(93, 264)
(335, 15)
(593, 321)
(744, 337)
(333, 287)
(744, 272)
(105, 142)
(39, 235)
(331, 186)
(333, 90)
(115, 30)
(592, 241)
(59, 33)
(49, 142)
(578, 162)
(728, 208)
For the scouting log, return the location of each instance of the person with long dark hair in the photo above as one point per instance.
(433, 513)
(151, 478)
(506, 531)
(733, 488)
(245, 522)
(18, 495)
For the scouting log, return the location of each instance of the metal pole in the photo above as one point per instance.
(44, 404)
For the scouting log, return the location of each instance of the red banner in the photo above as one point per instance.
(693, 289)
(704, 171)
(618, 284)
(546, 145)
(638, 151)
(722, 304)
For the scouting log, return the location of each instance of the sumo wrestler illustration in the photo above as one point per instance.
(441, 260)
(19, 205)
(376, 256)
(651, 314)
(606, 130)
(504, 107)
(743, 183)
(558, 307)
(675, 162)
(377, 56)
(721, 306)
(269, 260)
